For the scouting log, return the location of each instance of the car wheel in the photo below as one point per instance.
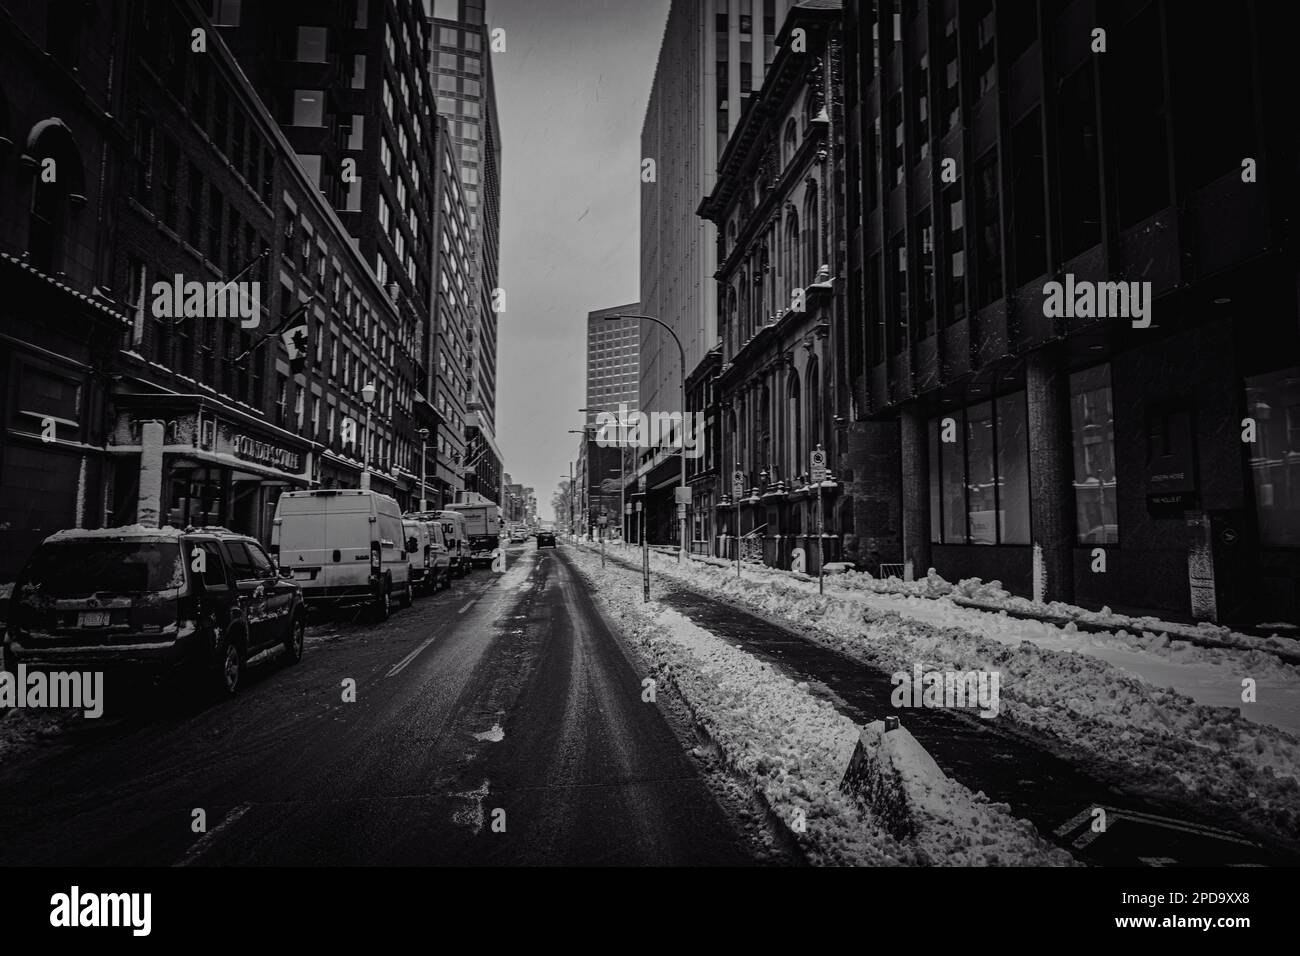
(293, 644)
(229, 670)
(383, 604)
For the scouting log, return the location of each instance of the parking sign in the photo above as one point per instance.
(818, 465)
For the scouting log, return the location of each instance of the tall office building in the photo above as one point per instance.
(462, 68)
(613, 363)
(349, 86)
(713, 56)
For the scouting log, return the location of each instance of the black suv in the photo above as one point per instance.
(545, 539)
(202, 601)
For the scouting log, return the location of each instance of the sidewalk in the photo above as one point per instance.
(1206, 663)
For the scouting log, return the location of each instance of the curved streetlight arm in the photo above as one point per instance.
(681, 352)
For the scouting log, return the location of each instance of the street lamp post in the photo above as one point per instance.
(681, 353)
(367, 396)
(424, 446)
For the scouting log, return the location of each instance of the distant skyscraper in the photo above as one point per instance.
(613, 363)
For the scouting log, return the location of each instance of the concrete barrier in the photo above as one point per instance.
(893, 776)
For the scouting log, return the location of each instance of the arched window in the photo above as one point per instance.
(742, 327)
(57, 189)
(794, 415)
(790, 143)
(812, 258)
(792, 250)
(814, 405)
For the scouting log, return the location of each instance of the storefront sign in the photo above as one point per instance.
(265, 453)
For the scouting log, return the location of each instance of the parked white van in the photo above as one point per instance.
(454, 529)
(427, 552)
(343, 546)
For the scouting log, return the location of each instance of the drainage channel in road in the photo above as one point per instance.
(1053, 794)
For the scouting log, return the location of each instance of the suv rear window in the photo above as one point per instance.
(79, 569)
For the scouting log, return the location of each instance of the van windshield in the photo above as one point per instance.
(78, 569)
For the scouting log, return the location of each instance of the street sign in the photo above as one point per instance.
(738, 482)
(818, 465)
(603, 520)
(640, 484)
(682, 496)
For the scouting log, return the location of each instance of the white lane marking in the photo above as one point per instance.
(204, 842)
(468, 605)
(398, 667)
(495, 735)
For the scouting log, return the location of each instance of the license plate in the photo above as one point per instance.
(92, 619)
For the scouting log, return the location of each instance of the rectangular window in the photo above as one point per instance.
(952, 477)
(985, 68)
(1093, 430)
(955, 253)
(1273, 401)
(1080, 187)
(358, 71)
(921, 114)
(988, 278)
(311, 45)
(225, 13)
(898, 250)
(1013, 470)
(950, 94)
(352, 198)
(981, 486)
(308, 108)
(1142, 173)
(171, 162)
(1029, 208)
(194, 206)
(924, 326)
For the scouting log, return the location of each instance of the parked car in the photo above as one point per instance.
(546, 539)
(200, 601)
(518, 536)
(344, 547)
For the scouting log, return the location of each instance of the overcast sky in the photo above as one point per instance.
(571, 92)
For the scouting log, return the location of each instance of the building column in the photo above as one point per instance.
(914, 457)
(149, 509)
(1051, 492)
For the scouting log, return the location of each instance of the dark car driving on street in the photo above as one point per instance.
(546, 539)
(200, 602)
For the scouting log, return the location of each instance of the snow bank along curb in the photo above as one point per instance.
(794, 748)
(1141, 738)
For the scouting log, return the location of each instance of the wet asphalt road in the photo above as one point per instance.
(498, 722)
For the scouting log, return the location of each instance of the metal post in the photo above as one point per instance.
(681, 453)
(821, 543)
(737, 537)
(365, 454)
(645, 560)
(424, 451)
